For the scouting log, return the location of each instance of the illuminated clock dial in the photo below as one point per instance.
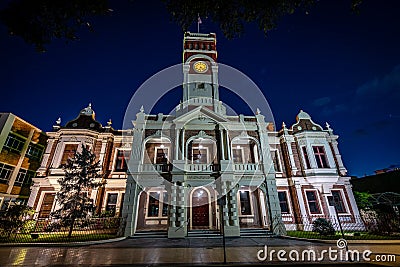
(200, 67)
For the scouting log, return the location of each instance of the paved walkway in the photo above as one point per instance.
(185, 252)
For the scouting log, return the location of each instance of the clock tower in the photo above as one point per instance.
(200, 70)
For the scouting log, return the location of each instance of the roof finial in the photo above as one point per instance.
(109, 123)
(142, 109)
(258, 111)
(283, 125)
(327, 126)
(58, 121)
(90, 105)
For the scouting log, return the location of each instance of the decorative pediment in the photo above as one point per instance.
(201, 113)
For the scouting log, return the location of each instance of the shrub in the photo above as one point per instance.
(323, 227)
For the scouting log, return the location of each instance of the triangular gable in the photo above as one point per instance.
(193, 114)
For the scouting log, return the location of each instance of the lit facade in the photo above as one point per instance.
(21, 149)
(168, 172)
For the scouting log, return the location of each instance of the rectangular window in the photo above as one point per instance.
(237, 154)
(5, 173)
(313, 203)
(47, 205)
(112, 203)
(69, 152)
(245, 205)
(275, 159)
(34, 152)
(199, 156)
(24, 177)
(306, 159)
(121, 162)
(338, 201)
(153, 206)
(161, 155)
(14, 142)
(320, 157)
(283, 202)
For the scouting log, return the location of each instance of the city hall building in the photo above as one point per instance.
(200, 169)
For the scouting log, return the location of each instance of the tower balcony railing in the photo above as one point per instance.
(165, 167)
(246, 167)
(199, 167)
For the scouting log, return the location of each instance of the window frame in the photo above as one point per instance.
(207, 157)
(63, 152)
(114, 205)
(287, 201)
(250, 203)
(318, 158)
(342, 199)
(317, 200)
(161, 148)
(13, 138)
(242, 154)
(160, 204)
(114, 166)
(9, 170)
(38, 155)
(26, 174)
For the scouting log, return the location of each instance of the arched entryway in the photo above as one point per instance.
(200, 209)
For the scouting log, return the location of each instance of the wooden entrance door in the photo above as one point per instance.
(200, 209)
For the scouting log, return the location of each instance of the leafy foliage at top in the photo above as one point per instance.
(39, 22)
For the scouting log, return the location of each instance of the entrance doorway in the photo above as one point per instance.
(200, 209)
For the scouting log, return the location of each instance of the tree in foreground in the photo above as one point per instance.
(81, 173)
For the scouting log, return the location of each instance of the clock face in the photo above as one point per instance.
(200, 67)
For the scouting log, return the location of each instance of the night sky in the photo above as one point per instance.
(337, 66)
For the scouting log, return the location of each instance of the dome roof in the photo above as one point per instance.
(88, 111)
(303, 116)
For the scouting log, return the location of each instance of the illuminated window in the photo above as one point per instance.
(283, 201)
(313, 203)
(121, 161)
(237, 154)
(320, 157)
(337, 197)
(199, 155)
(112, 203)
(157, 204)
(245, 205)
(69, 152)
(161, 155)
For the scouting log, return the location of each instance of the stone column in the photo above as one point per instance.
(178, 222)
(229, 210)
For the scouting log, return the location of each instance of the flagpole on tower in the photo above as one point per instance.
(198, 22)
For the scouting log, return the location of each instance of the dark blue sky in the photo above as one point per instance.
(337, 66)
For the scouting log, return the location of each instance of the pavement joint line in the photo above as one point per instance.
(349, 241)
(105, 241)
